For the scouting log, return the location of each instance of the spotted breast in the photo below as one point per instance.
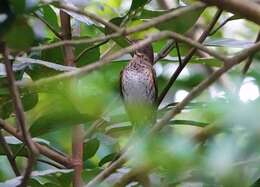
(138, 87)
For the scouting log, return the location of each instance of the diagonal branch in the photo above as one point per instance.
(165, 51)
(129, 49)
(250, 59)
(185, 61)
(89, 49)
(125, 32)
(238, 58)
(231, 62)
(20, 117)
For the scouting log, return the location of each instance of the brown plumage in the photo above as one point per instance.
(138, 87)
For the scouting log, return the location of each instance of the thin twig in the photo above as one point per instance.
(220, 26)
(165, 51)
(89, 49)
(93, 127)
(185, 61)
(51, 163)
(108, 171)
(9, 154)
(250, 59)
(178, 53)
(20, 117)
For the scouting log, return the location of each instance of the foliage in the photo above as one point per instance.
(213, 142)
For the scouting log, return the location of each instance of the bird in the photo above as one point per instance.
(138, 87)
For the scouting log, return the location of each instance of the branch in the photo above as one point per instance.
(66, 35)
(78, 130)
(89, 49)
(205, 84)
(129, 49)
(250, 59)
(54, 164)
(9, 154)
(221, 25)
(93, 127)
(165, 51)
(133, 174)
(247, 9)
(168, 116)
(53, 155)
(21, 122)
(108, 171)
(125, 32)
(185, 61)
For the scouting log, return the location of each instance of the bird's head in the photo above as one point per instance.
(146, 51)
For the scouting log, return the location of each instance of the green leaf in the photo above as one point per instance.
(89, 174)
(52, 112)
(118, 129)
(91, 54)
(29, 100)
(137, 4)
(6, 108)
(107, 159)
(54, 55)
(90, 148)
(107, 146)
(19, 28)
(179, 24)
(121, 41)
(50, 16)
(79, 100)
